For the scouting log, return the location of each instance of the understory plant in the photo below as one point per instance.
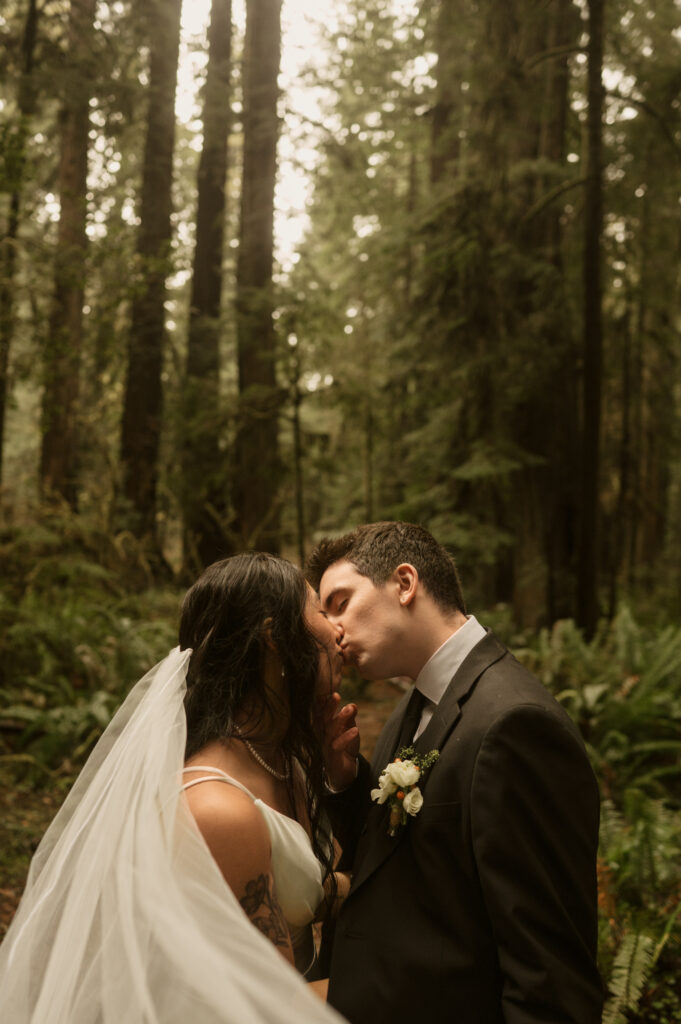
(76, 631)
(623, 689)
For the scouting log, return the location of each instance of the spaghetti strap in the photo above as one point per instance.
(217, 776)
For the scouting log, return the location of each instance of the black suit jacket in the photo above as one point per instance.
(483, 909)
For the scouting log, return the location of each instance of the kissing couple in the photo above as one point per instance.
(226, 817)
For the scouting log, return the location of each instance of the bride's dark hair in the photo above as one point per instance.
(230, 617)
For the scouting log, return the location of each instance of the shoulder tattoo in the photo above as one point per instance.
(264, 911)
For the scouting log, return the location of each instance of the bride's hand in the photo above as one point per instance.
(343, 883)
(341, 744)
(336, 888)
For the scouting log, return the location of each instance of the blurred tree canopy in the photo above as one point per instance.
(478, 330)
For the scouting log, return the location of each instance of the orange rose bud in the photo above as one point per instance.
(400, 794)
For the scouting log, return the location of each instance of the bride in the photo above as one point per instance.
(199, 809)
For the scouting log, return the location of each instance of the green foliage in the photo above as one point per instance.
(640, 901)
(75, 632)
(624, 691)
(630, 971)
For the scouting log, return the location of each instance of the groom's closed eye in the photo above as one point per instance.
(335, 602)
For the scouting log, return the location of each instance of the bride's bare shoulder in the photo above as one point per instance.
(232, 826)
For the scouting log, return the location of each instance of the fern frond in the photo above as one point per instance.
(634, 961)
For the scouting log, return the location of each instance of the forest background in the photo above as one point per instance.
(431, 274)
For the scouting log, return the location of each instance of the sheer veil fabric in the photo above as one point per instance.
(126, 918)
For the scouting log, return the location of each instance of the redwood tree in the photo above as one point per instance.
(587, 584)
(64, 342)
(141, 427)
(16, 156)
(257, 461)
(204, 478)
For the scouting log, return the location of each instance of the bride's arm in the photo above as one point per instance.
(236, 835)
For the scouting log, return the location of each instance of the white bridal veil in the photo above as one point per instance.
(126, 918)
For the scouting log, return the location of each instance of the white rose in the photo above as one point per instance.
(413, 801)
(403, 773)
(386, 787)
(381, 795)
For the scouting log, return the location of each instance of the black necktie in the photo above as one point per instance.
(412, 717)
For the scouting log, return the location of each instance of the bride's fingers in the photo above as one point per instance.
(346, 742)
(343, 720)
(347, 739)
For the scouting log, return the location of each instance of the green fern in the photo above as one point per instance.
(632, 967)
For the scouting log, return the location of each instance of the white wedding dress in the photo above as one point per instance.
(297, 873)
(126, 918)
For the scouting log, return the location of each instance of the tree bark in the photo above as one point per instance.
(587, 583)
(522, 88)
(561, 439)
(446, 117)
(141, 426)
(298, 477)
(58, 471)
(621, 512)
(204, 476)
(368, 460)
(257, 460)
(8, 247)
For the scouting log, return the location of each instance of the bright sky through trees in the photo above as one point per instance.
(301, 47)
(300, 41)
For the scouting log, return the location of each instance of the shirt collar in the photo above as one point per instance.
(439, 670)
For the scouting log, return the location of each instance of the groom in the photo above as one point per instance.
(481, 909)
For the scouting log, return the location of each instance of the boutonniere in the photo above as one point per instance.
(398, 785)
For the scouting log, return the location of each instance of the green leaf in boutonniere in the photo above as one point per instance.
(398, 785)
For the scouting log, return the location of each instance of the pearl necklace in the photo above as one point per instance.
(281, 776)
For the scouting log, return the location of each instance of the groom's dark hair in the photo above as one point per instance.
(376, 549)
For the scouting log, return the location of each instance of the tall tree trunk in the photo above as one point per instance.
(587, 585)
(204, 476)
(621, 511)
(638, 372)
(296, 398)
(141, 426)
(520, 99)
(446, 117)
(8, 246)
(58, 473)
(257, 458)
(368, 459)
(530, 103)
(561, 439)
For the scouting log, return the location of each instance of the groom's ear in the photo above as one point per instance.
(407, 578)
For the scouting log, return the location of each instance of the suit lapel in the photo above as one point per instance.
(448, 711)
(376, 845)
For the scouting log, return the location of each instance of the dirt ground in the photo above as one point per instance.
(25, 811)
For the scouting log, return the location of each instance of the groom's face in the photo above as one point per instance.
(370, 620)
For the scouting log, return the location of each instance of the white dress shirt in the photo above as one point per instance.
(437, 673)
